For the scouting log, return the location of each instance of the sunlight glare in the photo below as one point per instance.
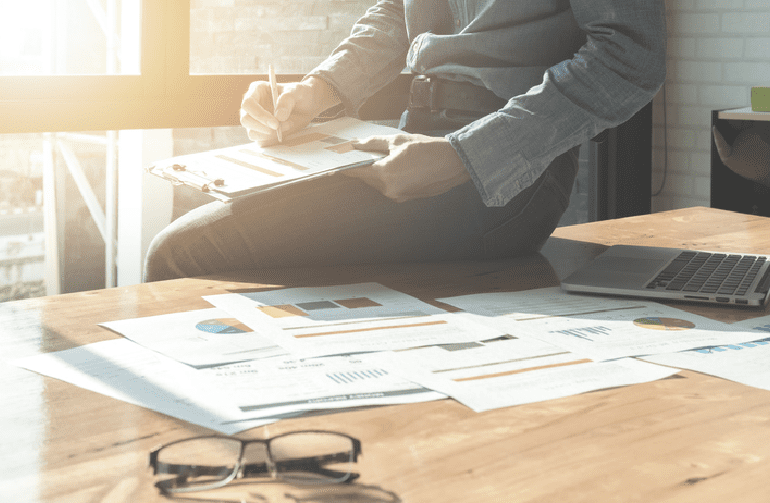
(20, 25)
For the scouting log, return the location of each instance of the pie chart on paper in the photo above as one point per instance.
(222, 326)
(654, 323)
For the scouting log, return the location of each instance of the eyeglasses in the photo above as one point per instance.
(301, 457)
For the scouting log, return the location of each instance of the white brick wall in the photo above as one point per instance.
(717, 49)
(244, 36)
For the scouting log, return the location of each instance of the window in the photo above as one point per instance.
(54, 37)
(149, 87)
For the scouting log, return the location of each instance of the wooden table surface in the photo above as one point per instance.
(689, 438)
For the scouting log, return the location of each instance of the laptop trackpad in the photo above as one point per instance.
(627, 265)
(616, 272)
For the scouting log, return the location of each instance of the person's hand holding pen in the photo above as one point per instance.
(296, 104)
(395, 176)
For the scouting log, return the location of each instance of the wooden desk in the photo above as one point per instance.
(690, 438)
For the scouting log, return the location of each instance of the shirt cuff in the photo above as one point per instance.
(506, 151)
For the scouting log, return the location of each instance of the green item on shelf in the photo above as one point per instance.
(760, 99)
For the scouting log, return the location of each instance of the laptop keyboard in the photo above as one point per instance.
(710, 273)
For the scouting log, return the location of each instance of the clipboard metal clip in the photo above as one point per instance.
(178, 173)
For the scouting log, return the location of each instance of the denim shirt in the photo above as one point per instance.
(568, 68)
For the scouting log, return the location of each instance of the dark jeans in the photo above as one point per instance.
(337, 220)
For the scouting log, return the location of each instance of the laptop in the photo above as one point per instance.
(675, 274)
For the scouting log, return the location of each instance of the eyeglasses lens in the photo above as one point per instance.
(309, 458)
(200, 462)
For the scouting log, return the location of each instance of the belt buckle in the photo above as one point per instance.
(422, 92)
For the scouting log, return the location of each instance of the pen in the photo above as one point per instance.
(274, 92)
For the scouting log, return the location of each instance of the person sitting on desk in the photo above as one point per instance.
(503, 95)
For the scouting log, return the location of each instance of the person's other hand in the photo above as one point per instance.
(298, 103)
(416, 166)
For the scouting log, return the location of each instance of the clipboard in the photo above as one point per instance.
(232, 172)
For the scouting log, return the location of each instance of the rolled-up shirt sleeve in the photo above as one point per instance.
(370, 58)
(613, 75)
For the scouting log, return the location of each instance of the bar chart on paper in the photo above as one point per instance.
(347, 319)
(349, 377)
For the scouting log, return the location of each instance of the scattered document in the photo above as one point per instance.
(280, 386)
(506, 372)
(760, 325)
(132, 373)
(597, 327)
(745, 362)
(200, 338)
(346, 319)
(246, 169)
(259, 356)
(228, 398)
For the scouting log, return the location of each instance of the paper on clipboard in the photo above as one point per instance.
(228, 173)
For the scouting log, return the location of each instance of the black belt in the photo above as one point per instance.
(431, 93)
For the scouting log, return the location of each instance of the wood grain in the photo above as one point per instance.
(689, 438)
